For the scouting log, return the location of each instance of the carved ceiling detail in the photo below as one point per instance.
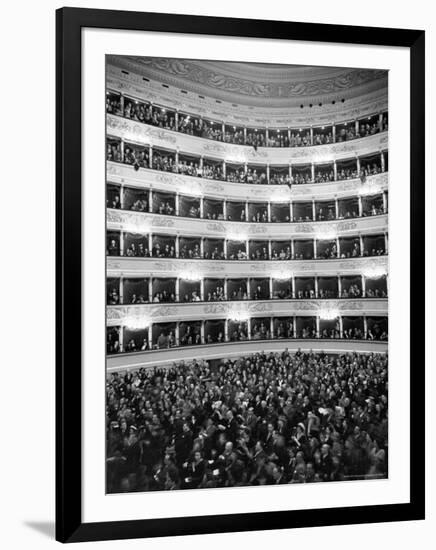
(273, 100)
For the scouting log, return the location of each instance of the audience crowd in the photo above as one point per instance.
(195, 126)
(166, 162)
(265, 419)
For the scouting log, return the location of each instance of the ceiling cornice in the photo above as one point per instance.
(257, 85)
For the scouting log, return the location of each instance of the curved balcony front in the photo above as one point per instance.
(167, 267)
(145, 222)
(174, 312)
(166, 182)
(165, 357)
(144, 134)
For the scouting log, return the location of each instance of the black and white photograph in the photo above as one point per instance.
(247, 288)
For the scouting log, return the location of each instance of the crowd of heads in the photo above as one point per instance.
(329, 252)
(260, 253)
(265, 419)
(192, 250)
(193, 296)
(352, 291)
(166, 119)
(137, 251)
(191, 335)
(214, 253)
(284, 253)
(149, 114)
(164, 250)
(239, 332)
(284, 329)
(305, 328)
(166, 162)
(164, 296)
(259, 291)
(216, 294)
(214, 210)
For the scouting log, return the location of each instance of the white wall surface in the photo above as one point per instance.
(27, 230)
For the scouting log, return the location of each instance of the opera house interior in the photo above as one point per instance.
(247, 273)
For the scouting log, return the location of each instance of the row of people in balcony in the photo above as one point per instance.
(259, 329)
(328, 250)
(218, 295)
(170, 289)
(347, 208)
(166, 162)
(196, 126)
(165, 208)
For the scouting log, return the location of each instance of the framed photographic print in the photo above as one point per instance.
(240, 233)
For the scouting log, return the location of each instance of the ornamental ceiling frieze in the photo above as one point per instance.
(251, 85)
(272, 111)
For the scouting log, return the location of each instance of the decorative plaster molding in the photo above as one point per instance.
(154, 267)
(218, 310)
(191, 186)
(136, 132)
(126, 76)
(145, 222)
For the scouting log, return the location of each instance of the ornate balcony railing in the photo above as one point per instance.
(145, 223)
(170, 267)
(166, 313)
(165, 357)
(215, 189)
(138, 132)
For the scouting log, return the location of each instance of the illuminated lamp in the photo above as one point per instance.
(137, 322)
(190, 275)
(282, 275)
(278, 196)
(192, 188)
(238, 315)
(327, 235)
(236, 236)
(328, 314)
(374, 272)
(140, 227)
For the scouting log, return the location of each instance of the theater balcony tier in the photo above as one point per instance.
(144, 134)
(167, 357)
(145, 223)
(171, 267)
(167, 313)
(181, 288)
(150, 328)
(177, 184)
(126, 82)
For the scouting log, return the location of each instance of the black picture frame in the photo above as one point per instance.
(69, 525)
